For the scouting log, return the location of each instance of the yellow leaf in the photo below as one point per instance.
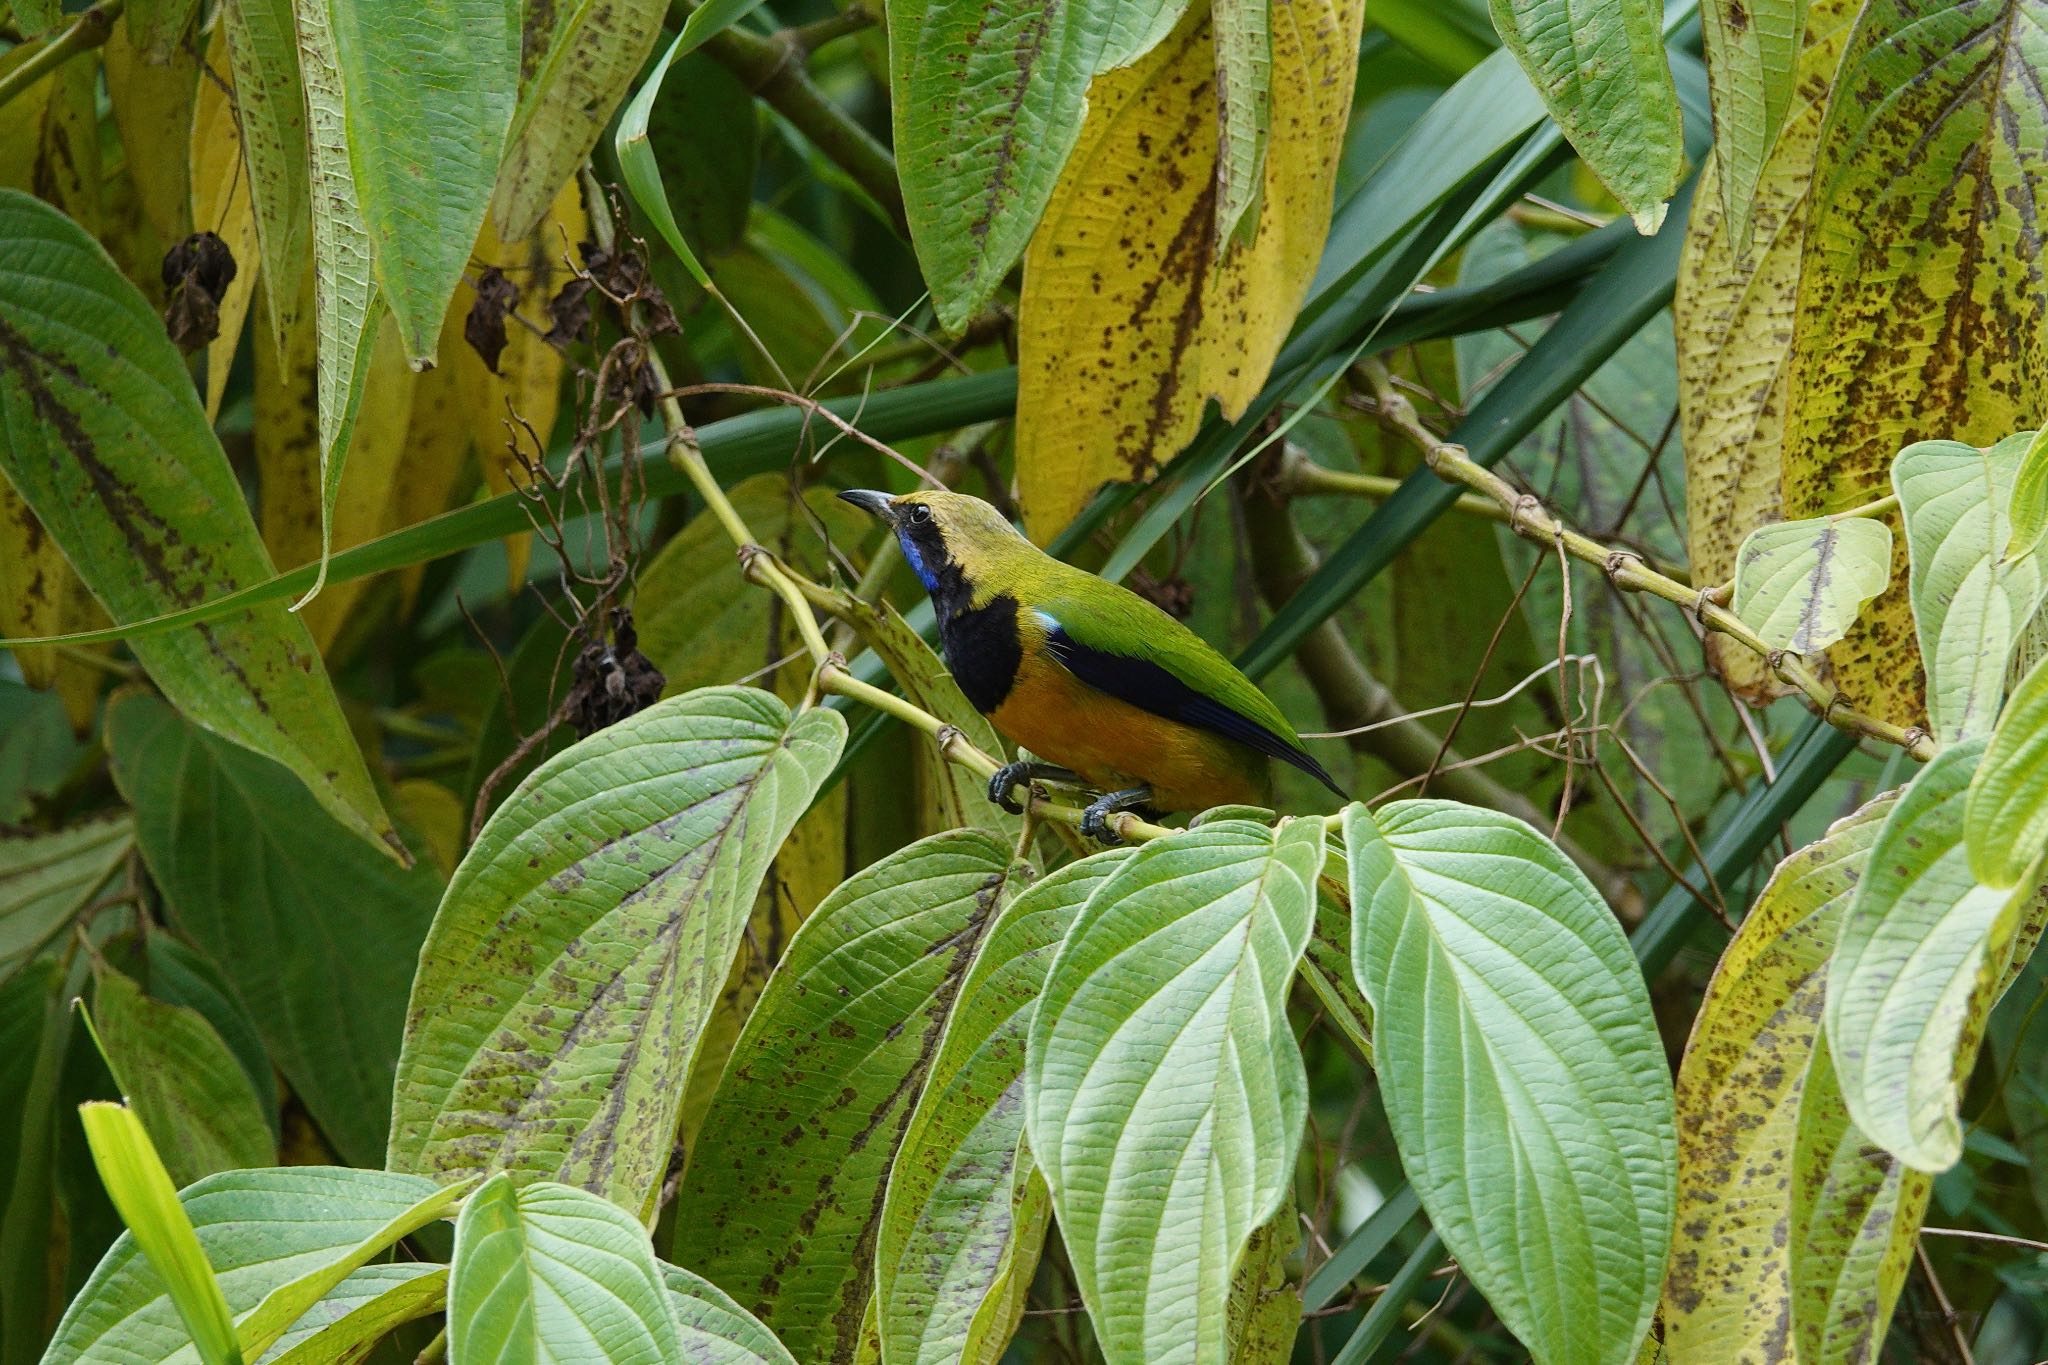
(1733, 315)
(436, 459)
(41, 595)
(49, 137)
(1757, 1106)
(1920, 285)
(221, 203)
(1133, 315)
(287, 439)
(437, 814)
(153, 103)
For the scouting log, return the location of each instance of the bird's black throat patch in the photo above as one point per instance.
(983, 652)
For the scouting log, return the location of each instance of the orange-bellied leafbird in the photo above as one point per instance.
(1088, 676)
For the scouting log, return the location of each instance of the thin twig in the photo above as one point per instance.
(1628, 571)
(1948, 1310)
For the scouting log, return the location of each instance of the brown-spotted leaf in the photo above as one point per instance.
(288, 463)
(1133, 315)
(577, 61)
(41, 595)
(1745, 1077)
(1922, 306)
(102, 433)
(825, 1080)
(1733, 314)
(966, 1209)
(270, 112)
(585, 938)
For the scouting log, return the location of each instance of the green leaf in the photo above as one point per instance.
(1164, 1090)
(142, 1191)
(2029, 510)
(1799, 584)
(1752, 49)
(716, 1330)
(102, 432)
(1601, 71)
(965, 1212)
(1748, 1077)
(270, 106)
(313, 1220)
(281, 899)
(986, 103)
(1856, 1214)
(182, 1082)
(586, 936)
(1521, 1068)
(345, 308)
(361, 1310)
(550, 1272)
(428, 89)
(636, 153)
(826, 1074)
(39, 1027)
(1969, 605)
(1924, 946)
(46, 879)
(576, 66)
(2005, 819)
(706, 130)
(181, 975)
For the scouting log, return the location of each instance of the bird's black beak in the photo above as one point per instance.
(871, 502)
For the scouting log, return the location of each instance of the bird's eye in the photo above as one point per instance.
(920, 513)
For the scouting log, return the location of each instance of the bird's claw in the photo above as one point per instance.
(1006, 778)
(1095, 824)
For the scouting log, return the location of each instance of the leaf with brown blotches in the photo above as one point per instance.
(1922, 306)
(1133, 316)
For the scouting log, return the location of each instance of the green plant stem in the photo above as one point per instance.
(85, 32)
(1353, 699)
(810, 37)
(1301, 476)
(1628, 571)
(773, 68)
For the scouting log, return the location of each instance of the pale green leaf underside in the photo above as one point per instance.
(949, 1237)
(1164, 1091)
(716, 1330)
(315, 1217)
(2030, 498)
(548, 1272)
(1921, 944)
(1969, 605)
(825, 1074)
(1522, 1070)
(586, 936)
(102, 432)
(1799, 584)
(2006, 818)
(360, 1310)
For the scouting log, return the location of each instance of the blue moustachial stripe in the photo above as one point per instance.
(917, 564)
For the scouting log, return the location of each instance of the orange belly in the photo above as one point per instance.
(1115, 745)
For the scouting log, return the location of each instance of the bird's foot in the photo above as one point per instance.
(1021, 774)
(1095, 819)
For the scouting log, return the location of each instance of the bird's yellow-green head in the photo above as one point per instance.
(952, 540)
